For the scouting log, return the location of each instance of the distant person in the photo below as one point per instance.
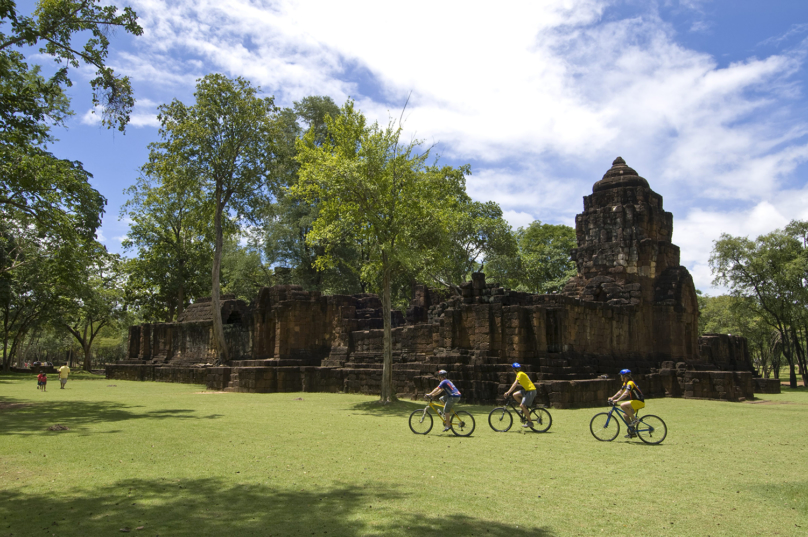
(451, 396)
(524, 399)
(42, 382)
(64, 371)
(636, 401)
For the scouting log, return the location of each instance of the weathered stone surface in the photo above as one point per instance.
(631, 305)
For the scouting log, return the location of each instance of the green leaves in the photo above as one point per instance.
(768, 277)
(542, 264)
(55, 25)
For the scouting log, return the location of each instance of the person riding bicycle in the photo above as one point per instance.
(636, 402)
(524, 399)
(451, 396)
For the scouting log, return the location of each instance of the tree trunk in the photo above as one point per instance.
(88, 366)
(387, 395)
(5, 352)
(800, 355)
(788, 352)
(218, 328)
(181, 293)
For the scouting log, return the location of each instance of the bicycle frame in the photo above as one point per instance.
(621, 414)
(438, 410)
(517, 408)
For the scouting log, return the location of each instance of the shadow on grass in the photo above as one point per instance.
(34, 419)
(405, 408)
(792, 496)
(399, 408)
(211, 507)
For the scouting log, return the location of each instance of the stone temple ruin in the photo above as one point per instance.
(631, 305)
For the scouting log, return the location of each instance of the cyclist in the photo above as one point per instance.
(636, 402)
(451, 396)
(524, 399)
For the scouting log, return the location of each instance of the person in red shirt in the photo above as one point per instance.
(42, 381)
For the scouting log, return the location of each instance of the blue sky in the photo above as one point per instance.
(705, 99)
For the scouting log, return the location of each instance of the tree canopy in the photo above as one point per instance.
(769, 275)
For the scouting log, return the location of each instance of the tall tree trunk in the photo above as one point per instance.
(218, 328)
(181, 293)
(387, 395)
(800, 354)
(6, 364)
(88, 366)
(788, 351)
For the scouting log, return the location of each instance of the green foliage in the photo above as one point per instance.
(36, 273)
(60, 26)
(290, 218)
(375, 191)
(768, 276)
(54, 193)
(243, 271)
(49, 213)
(727, 314)
(171, 232)
(542, 263)
(475, 233)
(97, 303)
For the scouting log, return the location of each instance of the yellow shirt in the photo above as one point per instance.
(632, 389)
(63, 372)
(524, 380)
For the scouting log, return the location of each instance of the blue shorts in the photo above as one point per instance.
(528, 397)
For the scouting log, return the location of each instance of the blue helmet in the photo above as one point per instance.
(516, 365)
(625, 371)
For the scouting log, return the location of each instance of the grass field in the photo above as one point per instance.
(178, 461)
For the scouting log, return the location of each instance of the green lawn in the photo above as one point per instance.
(177, 461)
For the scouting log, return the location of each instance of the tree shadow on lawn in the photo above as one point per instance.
(35, 418)
(213, 507)
(405, 408)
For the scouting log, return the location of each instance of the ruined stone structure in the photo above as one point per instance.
(631, 305)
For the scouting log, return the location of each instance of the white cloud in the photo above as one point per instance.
(696, 232)
(518, 219)
(144, 114)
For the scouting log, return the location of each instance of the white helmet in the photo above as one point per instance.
(443, 373)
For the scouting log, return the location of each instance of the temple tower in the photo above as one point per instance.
(624, 235)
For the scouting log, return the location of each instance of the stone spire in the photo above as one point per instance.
(624, 236)
(619, 175)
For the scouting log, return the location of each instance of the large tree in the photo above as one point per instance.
(97, 303)
(171, 233)
(45, 270)
(373, 188)
(769, 273)
(225, 140)
(54, 193)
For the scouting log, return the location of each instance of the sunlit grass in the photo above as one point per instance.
(180, 461)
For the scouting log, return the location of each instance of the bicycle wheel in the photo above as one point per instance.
(421, 421)
(462, 423)
(604, 427)
(541, 420)
(500, 419)
(651, 429)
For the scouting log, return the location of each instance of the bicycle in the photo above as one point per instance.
(461, 422)
(501, 420)
(605, 426)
